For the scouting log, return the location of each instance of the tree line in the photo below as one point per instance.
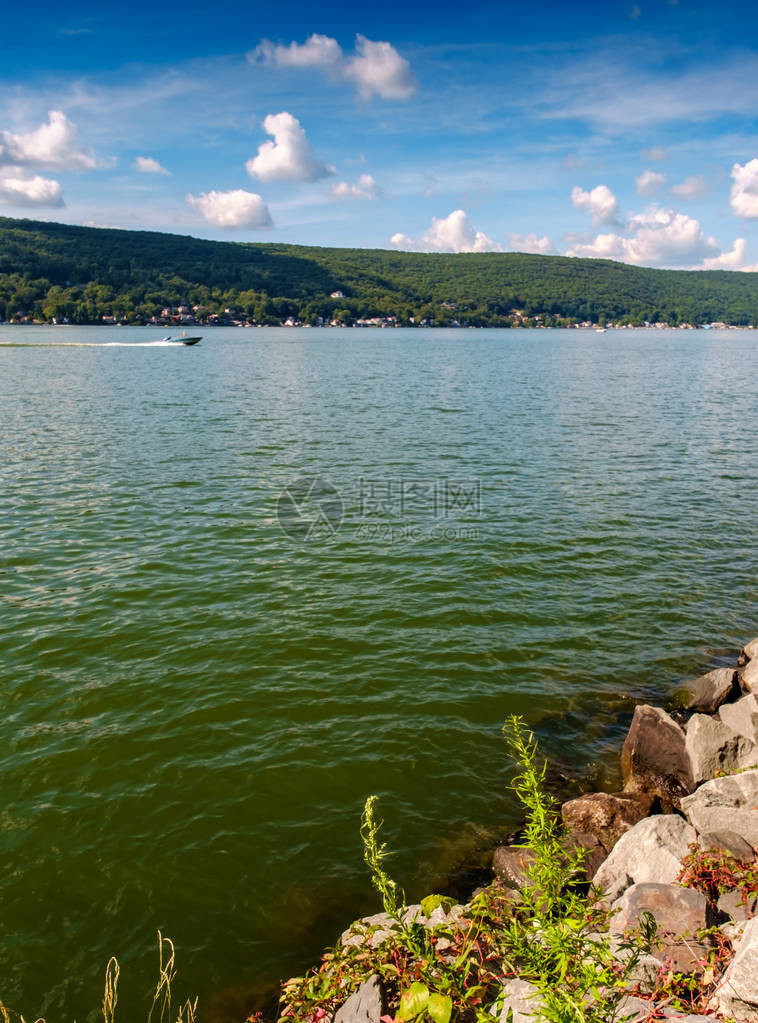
(82, 275)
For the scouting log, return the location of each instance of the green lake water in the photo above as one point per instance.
(194, 704)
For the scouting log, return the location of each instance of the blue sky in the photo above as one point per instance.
(620, 129)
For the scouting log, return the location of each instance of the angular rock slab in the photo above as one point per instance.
(366, 1005)
(748, 676)
(712, 746)
(726, 804)
(606, 815)
(652, 850)
(737, 994)
(654, 759)
(733, 905)
(742, 716)
(520, 997)
(750, 650)
(707, 693)
(725, 842)
(680, 914)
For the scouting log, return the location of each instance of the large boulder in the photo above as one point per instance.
(742, 716)
(654, 758)
(366, 1005)
(680, 914)
(707, 693)
(606, 815)
(726, 804)
(725, 842)
(712, 747)
(736, 997)
(738, 904)
(652, 850)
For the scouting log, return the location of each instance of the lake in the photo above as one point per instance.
(245, 585)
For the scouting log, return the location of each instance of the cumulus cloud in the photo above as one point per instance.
(376, 68)
(728, 260)
(53, 145)
(454, 233)
(600, 203)
(233, 209)
(289, 157)
(147, 165)
(743, 197)
(691, 188)
(317, 51)
(662, 237)
(20, 189)
(379, 70)
(364, 188)
(649, 182)
(532, 243)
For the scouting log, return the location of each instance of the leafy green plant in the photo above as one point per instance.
(558, 937)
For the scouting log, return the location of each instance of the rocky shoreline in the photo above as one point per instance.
(679, 844)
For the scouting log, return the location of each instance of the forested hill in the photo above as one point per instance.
(82, 274)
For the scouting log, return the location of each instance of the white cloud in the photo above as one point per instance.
(364, 188)
(232, 209)
(649, 182)
(655, 153)
(147, 165)
(20, 189)
(532, 243)
(51, 145)
(691, 188)
(743, 197)
(376, 67)
(317, 51)
(454, 233)
(600, 203)
(289, 157)
(662, 237)
(728, 260)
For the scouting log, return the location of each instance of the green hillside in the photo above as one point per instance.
(84, 274)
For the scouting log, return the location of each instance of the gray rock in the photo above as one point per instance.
(680, 914)
(675, 1014)
(652, 850)
(726, 804)
(748, 676)
(725, 841)
(606, 815)
(742, 716)
(522, 998)
(633, 1010)
(712, 747)
(654, 759)
(510, 863)
(370, 930)
(707, 693)
(737, 994)
(733, 905)
(366, 1005)
(645, 974)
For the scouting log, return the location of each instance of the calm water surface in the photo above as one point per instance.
(194, 706)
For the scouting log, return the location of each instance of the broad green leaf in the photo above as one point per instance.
(431, 902)
(413, 1001)
(439, 1008)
